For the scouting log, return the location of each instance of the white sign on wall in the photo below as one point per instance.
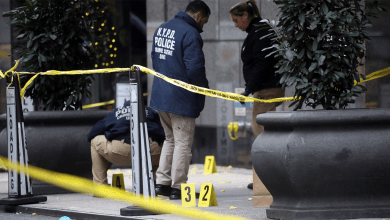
(122, 93)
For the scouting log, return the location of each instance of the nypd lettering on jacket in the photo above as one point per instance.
(164, 42)
(123, 111)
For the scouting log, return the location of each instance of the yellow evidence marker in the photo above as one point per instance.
(117, 181)
(207, 196)
(188, 198)
(209, 165)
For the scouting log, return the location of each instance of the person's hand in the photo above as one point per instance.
(245, 93)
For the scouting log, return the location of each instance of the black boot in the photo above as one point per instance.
(175, 194)
(163, 190)
(250, 186)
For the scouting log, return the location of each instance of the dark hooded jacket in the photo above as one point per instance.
(116, 125)
(259, 72)
(177, 53)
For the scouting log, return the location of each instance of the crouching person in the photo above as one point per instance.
(110, 141)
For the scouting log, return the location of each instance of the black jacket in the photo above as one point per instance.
(259, 72)
(116, 125)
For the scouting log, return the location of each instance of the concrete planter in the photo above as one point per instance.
(56, 141)
(325, 164)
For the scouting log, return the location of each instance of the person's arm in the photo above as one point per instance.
(98, 129)
(194, 61)
(261, 64)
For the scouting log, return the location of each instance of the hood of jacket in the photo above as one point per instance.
(186, 17)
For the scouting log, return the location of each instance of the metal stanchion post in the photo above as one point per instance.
(134, 135)
(143, 180)
(19, 184)
(147, 171)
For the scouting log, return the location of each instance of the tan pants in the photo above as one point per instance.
(176, 152)
(261, 107)
(116, 152)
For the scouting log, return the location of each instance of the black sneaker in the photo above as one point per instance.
(163, 190)
(250, 186)
(175, 194)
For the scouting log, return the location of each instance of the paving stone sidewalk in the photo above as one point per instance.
(230, 185)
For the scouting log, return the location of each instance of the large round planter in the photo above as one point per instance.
(56, 141)
(325, 164)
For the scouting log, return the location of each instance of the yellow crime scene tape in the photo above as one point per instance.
(7, 73)
(82, 185)
(98, 104)
(104, 103)
(209, 92)
(374, 75)
(200, 90)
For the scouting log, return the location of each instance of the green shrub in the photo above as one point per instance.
(320, 45)
(57, 35)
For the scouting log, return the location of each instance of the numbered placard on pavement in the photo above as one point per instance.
(117, 181)
(188, 197)
(209, 165)
(207, 196)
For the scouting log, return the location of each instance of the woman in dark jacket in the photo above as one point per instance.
(259, 71)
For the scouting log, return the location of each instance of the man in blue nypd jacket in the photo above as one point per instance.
(177, 53)
(110, 140)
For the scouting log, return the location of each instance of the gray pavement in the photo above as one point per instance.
(23, 216)
(230, 185)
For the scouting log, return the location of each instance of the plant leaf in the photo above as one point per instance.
(313, 66)
(290, 54)
(339, 74)
(69, 100)
(28, 58)
(301, 18)
(29, 43)
(360, 46)
(35, 46)
(21, 36)
(300, 35)
(315, 45)
(314, 23)
(300, 55)
(43, 58)
(53, 37)
(322, 59)
(324, 8)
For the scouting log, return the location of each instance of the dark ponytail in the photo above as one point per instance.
(249, 6)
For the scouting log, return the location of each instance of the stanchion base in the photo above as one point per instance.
(135, 211)
(23, 200)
